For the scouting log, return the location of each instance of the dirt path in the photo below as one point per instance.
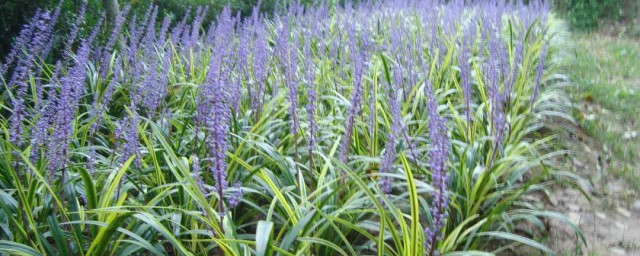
(610, 221)
(605, 145)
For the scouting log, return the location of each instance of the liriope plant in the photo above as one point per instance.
(388, 128)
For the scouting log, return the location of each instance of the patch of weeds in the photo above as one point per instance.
(607, 73)
(626, 173)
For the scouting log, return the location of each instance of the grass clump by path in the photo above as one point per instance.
(607, 74)
(605, 143)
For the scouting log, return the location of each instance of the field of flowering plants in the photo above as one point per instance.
(391, 127)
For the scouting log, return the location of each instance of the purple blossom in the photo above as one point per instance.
(185, 38)
(513, 73)
(48, 34)
(536, 88)
(136, 67)
(32, 50)
(242, 63)
(67, 103)
(91, 160)
(215, 103)
(21, 42)
(137, 32)
(102, 101)
(465, 68)
(94, 32)
(311, 96)
(46, 113)
(21, 73)
(196, 174)
(390, 147)
(334, 49)
(217, 124)
(435, 45)
(357, 64)
(236, 195)
(166, 22)
(130, 137)
(255, 13)
(288, 61)
(210, 36)
(242, 53)
(500, 126)
(16, 128)
(197, 24)
(151, 87)
(111, 42)
(224, 34)
(76, 26)
(178, 30)
(154, 84)
(260, 64)
(149, 38)
(492, 72)
(132, 43)
(438, 155)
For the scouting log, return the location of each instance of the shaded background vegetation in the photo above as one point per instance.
(17, 12)
(587, 15)
(584, 15)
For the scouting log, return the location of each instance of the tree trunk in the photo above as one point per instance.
(112, 9)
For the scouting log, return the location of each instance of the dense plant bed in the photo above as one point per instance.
(389, 128)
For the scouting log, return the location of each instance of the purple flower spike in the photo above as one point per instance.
(48, 34)
(67, 103)
(76, 26)
(196, 174)
(465, 68)
(260, 64)
(108, 48)
(287, 56)
(130, 137)
(311, 96)
(536, 88)
(91, 160)
(197, 24)
(39, 36)
(162, 35)
(214, 105)
(178, 30)
(149, 38)
(20, 43)
(390, 147)
(236, 196)
(493, 71)
(357, 64)
(513, 73)
(438, 155)
(39, 135)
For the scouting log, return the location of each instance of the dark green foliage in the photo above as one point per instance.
(17, 12)
(14, 14)
(587, 14)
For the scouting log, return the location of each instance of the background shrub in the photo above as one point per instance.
(588, 14)
(17, 12)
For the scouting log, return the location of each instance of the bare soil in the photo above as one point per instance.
(605, 206)
(606, 203)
